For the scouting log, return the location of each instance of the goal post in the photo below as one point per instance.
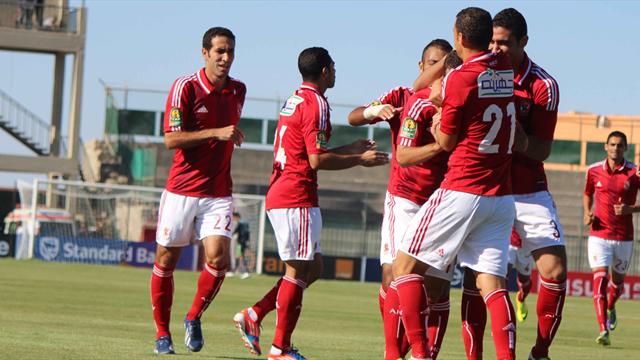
(73, 221)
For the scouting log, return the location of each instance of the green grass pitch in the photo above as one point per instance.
(76, 311)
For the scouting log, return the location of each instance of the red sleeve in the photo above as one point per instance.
(544, 114)
(417, 117)
(393, 97)
(242, 93)
(454, 94)
(588, 187)
(315, 123)
(178, 107)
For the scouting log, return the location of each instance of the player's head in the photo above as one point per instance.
(433, 52)
(510, 35)
(218, 51)
(236, 216)
(472, 31)
(616, 145)
(316, 66)
(452, 61)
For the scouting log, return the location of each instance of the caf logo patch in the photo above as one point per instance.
(376, 103)
(525, 107)
(175, 117)
(409, 128)
(321, 140)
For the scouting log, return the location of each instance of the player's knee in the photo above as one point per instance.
(218, 261)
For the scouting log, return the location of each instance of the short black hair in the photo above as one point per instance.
(476, 26)
(311, 61)
(512, 20)
(453, 60)
(440, 44)
(235, 213)
(213, 32)
(619, 134)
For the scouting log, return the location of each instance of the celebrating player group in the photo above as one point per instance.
(469, 140)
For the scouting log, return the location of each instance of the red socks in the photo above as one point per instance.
(614, 291)
(474, 319)
(437, 325)
(288, 305)
(503, 323)
(549, 309)
(209, 284)
(161, 298)
(268, 302)
(413, 302)
(600, 281)
(395, 341)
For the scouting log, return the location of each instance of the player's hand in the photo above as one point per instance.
(435, 124)
(621, 208)
(229, 133)
(588, 218)
(384, 112)
(372, 158)
(436, 93)
(361, 145)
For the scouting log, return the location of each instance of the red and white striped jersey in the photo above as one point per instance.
(537, 96)
(609, 188)
(193, 104)
(396, 97)
(303, 128)
(418, 182)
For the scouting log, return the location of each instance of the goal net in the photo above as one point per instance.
(71, 221)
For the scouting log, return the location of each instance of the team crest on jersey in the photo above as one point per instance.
(495, 84)
(525, 107)
(321, 140)
(376, 103)
(408, 128)
(175, 117)
(290, 105)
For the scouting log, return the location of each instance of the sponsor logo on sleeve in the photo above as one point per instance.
(290, 105)
(175, 117)
(321, 140)
(495, 84)
(408, 128)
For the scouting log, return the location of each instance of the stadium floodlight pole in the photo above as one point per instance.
(260, 255)
(34, 209)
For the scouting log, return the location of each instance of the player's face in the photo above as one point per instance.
(331, 75)
(504, 42)
(456, 40)
(219, 58)
(431, 57)
(615, 148)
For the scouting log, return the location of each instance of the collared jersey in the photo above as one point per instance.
(418, 182)
(193, 104)
(609, 188)
(396, 97)
(303, 129)
(537, 98)
(478, 106)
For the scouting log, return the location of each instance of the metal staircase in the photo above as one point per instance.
(24, 126)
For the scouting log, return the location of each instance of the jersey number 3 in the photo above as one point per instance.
(486, 145)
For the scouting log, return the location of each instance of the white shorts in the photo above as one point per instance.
(297, 232)
(182, 219)
(520, 260)
(398, 213)
(473, 227)
(537, 221)
(614, 253)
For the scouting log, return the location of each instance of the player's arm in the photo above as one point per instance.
(408, 152)
(189, 139)
(621, 208)
(372, 113)
(521, 141)
(357, 147)
(544, 116)
(431, 74)
(332, 161)
(587, 200)
(407, 156)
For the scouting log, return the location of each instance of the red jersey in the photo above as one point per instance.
(418, 182)
(193, 104)
(537, 98)
(397, 97)
(303, 128)
(610, 188)
(478, 106)
(515, 239)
